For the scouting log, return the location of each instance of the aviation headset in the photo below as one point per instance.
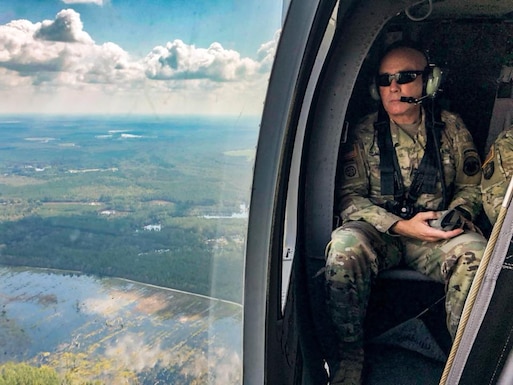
(431, 78)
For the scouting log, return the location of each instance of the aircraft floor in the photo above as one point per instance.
(390, 365)
(408, 339)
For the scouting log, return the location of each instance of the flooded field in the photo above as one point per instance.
(116, 331)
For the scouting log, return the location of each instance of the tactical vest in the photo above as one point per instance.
(430, 168)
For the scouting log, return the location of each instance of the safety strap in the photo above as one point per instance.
(425, 179)
(391, 178)
(430, 167)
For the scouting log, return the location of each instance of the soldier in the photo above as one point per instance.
(390, 200)
(497, 170)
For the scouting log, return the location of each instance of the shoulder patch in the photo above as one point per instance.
(351, 170)
(471, 163)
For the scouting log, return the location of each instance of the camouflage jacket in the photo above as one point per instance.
(497, 170)
(360, 196)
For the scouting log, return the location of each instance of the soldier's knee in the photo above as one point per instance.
(464, 253)
(344, 256)
(345, 238)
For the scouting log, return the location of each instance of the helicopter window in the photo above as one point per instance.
(128, 134)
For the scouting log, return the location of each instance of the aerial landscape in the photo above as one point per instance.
(85, 194)
(108, 211)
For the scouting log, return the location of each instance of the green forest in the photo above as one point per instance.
(23, 374)
(183, 255)
(156, 210)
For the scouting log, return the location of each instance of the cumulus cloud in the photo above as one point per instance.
(67, 27)
(177, 60)
(62, 52)
(62, 46)
(59, 56)
(267, 51)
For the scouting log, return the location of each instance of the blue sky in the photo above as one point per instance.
(134, 56)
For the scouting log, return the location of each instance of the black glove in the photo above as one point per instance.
(449, 220)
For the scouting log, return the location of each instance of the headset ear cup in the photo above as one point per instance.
(374, 92)
(433, 81)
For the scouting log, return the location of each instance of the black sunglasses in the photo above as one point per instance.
(403, 77)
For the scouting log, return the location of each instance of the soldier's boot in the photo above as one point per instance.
(348, 369)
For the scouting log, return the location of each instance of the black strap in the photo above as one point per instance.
(430, 167)
(425, 178)
(391, 178)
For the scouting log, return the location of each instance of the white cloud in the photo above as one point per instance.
(267, 51)
(58, 63)
(97, 2)
(178, 60)
(62, 53)
(67, 27)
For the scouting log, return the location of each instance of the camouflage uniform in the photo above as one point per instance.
(363, 245)
(497, 170)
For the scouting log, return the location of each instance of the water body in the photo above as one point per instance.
(117, 331)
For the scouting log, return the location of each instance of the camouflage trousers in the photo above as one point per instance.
(358, 252)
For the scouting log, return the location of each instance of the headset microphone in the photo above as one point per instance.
(431, 88)
(412, 100)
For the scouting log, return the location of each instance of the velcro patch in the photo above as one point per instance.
(351, 154)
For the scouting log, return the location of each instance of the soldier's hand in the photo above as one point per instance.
(418, 227)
